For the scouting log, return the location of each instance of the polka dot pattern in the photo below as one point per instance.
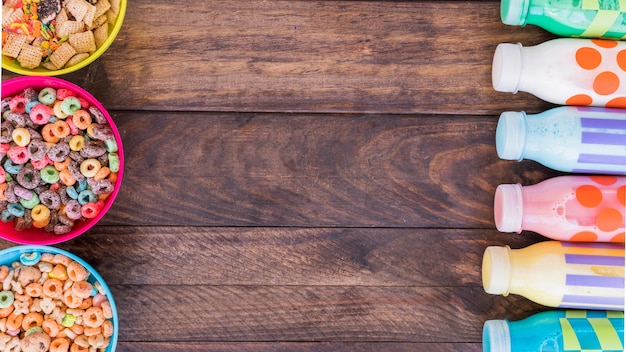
(585, 236)
(609, 220)
(580, 99)
(600, 57)
(589, 196)
(588, 58)
(603, 198)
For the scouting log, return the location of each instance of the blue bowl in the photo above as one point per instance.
(10, 255)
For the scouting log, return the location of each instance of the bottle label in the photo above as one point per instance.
(601, 64)
(594, 276)
(608, 12)
(607, 136)
(592, 331)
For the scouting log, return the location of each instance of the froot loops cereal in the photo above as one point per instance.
(49, 303)
(55, 33)
(56, 168)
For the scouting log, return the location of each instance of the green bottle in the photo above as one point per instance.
(569, 18)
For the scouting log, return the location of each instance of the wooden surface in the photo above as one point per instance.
(305, 175)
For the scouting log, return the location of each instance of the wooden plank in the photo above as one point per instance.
(199, 169)
(297, 347)
(200, 313)
(308, 56)
(290, 256)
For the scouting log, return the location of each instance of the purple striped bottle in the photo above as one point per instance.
(559, 274)
(566, 138)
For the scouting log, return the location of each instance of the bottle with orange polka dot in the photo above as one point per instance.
(578, 139)
(565, 208)
(569, 18)
(564, 71)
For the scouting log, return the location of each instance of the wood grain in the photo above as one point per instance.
(290, 256)
(308, 56)
(309, 313)
(301, 347)
(198, 169)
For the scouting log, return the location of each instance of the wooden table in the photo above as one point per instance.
(306, 175)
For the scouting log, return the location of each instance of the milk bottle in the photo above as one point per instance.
(567, 18)
(558, 274)
(564, 71)
(566, 208)
(557, 330)
(566, 138)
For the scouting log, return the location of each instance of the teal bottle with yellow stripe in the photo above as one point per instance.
(557, 331)
(569, 18)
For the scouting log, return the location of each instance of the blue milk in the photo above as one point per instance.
(566, 138)
(557, 331)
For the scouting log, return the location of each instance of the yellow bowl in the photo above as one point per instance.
(13, 66)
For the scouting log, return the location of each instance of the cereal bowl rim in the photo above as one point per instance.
(12, 254)
(8, 63)
(14, 86)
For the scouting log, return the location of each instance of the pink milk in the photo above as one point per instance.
(565, 208)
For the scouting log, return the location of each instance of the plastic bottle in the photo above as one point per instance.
(558, 274)
(557, 331)
(564, 71)
(566, 208)
(568, 18)
(566, 138)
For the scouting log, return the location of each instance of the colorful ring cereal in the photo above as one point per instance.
(49, 174)
(21, 136)
(76, 143)
(90, 167)
(61, 129)
(19, 155)
(40, 213)
(51, 309)
(6, 299)
(40, 114)
(47, 96)
(47, 159)
(70, 105)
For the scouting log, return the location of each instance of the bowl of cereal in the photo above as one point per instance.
(61, 161)
(51, 300)
(54, 37)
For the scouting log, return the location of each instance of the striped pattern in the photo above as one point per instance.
(589, 331)
(607, 138)
(608, 13)
(594, 276)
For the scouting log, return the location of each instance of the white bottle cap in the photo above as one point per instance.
(507, 67)
(508, 208)
(496, 336)
(511, 135)
(496, 270)
(513, 12)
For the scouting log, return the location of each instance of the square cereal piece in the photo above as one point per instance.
(11, 16)
(78, 8)
(14, 44)
(89, 16)
(50, 66)
(115, 6)
(102, 6)
(98, 22)
(83, 42)
(76, 59)
(101, 34)
(30, 56)
(61, 18)
(69, 27)
(62, 55)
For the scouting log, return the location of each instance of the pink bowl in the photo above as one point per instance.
(34, 235)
